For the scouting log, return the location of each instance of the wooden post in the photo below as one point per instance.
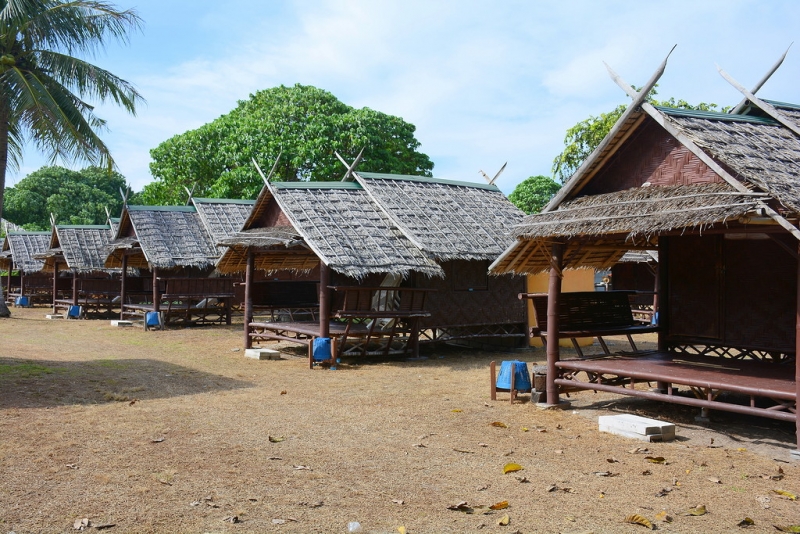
(55, 284)
(663, 292)
(122, 287)
(156, 299)
(22, 283)
(248, 298)
(553, 298)
(74, 287)
(493, 378)
(324, 301)
(796, 453)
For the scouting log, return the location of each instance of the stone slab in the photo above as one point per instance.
(635, 426)
(121, 323)
(262, 354)
(54, 316)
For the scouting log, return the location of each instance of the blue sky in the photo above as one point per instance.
(484, 82)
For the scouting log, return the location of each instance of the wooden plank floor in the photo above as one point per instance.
(748, 377)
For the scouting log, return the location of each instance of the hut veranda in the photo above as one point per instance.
(173, 250)
(18, 253)
(81, 250)
(384, 240)
(716, 194)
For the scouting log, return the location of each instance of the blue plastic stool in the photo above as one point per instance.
(514, 377)
(74, 312)
(153, 320)
(22, 301)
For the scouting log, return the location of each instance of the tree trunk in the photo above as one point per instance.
(4, 115)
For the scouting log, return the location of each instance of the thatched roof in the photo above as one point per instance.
(752, 151)
(83, 248)
(22, 247)
(222, 217)
(339, 225)
(760, 150)
(447, 220)
(641, 212)
(600, 229)
(168, 237)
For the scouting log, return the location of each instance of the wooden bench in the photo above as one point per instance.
(96, 296)
(369, 321)
(588, 314)
(197, 300)
(188, 301)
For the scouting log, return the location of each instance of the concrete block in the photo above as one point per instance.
(634, 426)
(121, 323)
(262, 354)
(54, 316)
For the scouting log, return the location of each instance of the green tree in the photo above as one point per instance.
(43, 85)
(305, 123)
(75, 197)
(532, 194)
(583, 138)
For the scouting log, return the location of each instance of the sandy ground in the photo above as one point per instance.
(176, 431)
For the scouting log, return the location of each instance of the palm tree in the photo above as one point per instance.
(43, 86)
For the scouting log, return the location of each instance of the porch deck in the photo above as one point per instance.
(706, 376)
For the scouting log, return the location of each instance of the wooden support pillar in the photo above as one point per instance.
(74, 288)
(8, 286)
(122, 283)
(553, 298)
(248, 298)
(21, 282)
(796, 452)
(55, 285)
(156, 296)
(324, 301)
(663, 292)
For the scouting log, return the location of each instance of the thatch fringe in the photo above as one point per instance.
(642, 211)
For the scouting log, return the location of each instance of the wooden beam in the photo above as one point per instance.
(350, 167)
(632, 108)
(767, 108)
(741, 105)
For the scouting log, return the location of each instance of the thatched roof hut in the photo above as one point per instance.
(716, 194)
(333, 222)
(164, 237)
(81, 248)
(19, 249)
(378, 223)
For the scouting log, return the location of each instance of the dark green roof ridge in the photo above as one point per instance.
(223, 201)
(190, 209)
(715, 115)
(425, 179)
(316, 185)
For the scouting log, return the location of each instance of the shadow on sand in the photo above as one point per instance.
(43, 383)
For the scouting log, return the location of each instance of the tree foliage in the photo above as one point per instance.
(75, 197)
(583, 138)
(305, 123)
(533, 194)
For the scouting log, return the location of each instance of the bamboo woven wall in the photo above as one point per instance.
(493, 299)
(651, 155)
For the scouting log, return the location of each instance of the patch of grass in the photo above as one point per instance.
(118, 397)
(25, 370)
